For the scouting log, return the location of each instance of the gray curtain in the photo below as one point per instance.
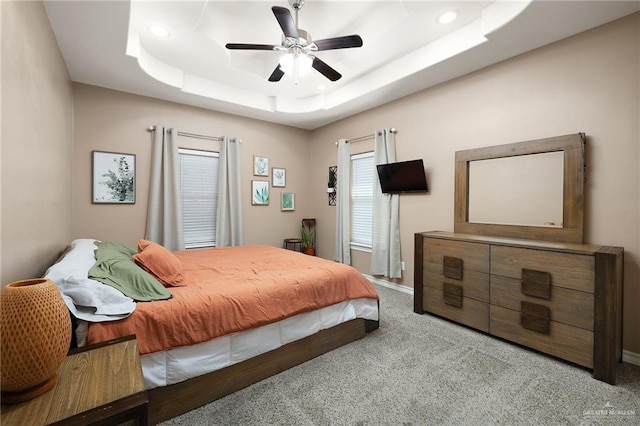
(385, 250)
(342, 250)
(164, 211)
(229, 214)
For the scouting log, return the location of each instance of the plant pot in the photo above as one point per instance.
(309, 250)
(331, 190)
(36, 333)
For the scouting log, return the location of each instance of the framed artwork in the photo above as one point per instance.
(332, 184)
(114, 178)
(259, 192)
(260, 166)
(287, 202)
(278, 177)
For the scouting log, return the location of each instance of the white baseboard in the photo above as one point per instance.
(627, 356)
(388, 284)
(630, 357)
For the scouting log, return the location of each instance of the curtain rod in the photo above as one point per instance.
(362, 138)
(365, 137)
(191, 135)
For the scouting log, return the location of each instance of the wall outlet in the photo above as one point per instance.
(402, 265)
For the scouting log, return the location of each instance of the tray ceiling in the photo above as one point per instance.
(109, 44)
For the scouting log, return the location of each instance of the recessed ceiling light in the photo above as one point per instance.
(159, 31)
(447, 17)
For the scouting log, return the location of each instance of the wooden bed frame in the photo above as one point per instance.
(171, 401)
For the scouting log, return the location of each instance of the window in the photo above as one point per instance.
(362, 175)
(199, 196)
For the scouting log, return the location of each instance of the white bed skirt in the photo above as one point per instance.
(178, 364)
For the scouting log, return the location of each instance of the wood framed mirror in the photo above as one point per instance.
(537, 172)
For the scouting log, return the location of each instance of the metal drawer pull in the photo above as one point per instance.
(535, 317)
(452, 267)
(452, 294)
(536, 284)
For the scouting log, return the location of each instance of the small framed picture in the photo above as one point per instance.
(259, 192)
(278, 177)
(260, 166)
(287, 202)
(113, 178)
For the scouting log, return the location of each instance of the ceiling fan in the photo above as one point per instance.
(299, 47)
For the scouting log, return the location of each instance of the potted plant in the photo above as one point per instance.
(308, 235)
(331, 182)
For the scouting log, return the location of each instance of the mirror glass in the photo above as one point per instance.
(522, 190)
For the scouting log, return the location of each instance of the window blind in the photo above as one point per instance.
(362, 175)
(199, 196)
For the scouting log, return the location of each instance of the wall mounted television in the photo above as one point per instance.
(403, 176)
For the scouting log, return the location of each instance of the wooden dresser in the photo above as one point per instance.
(562, 299)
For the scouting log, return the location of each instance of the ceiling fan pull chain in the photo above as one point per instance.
(296, 69)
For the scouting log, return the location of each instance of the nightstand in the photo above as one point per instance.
(97, 384)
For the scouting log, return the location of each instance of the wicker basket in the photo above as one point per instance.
(35, 334)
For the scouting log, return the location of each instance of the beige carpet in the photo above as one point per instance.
(422, 370)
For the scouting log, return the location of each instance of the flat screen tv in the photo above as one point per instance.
(404, 176)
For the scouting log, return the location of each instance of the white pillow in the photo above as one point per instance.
(87, 299)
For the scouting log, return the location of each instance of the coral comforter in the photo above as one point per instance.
(232, 289)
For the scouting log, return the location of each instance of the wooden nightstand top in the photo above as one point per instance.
(95, 383)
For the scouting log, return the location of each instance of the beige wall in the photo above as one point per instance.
(108, 120)
(36, 143)
(587, 83)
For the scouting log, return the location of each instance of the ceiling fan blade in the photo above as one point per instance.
(277, 74)
(339, 42)
(286, 21)
(325, 69)
(243, 46)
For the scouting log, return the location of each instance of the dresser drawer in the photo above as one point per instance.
(475, 285)
(474, 256)
(566, 270)
(567, 306)
(564, 341)
(471, 312)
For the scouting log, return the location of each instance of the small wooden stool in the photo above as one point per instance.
(294, 244)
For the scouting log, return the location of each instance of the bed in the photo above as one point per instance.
(216, 320)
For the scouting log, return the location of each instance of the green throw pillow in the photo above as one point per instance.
(115, 267)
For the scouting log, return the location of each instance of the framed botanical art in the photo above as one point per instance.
(260, 192)
(113, 178)
(278, 177)
(260, 166)
(287, 202)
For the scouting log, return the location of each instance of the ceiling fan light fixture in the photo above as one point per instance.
(447, 17)
(159, 31)
(291, 61)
